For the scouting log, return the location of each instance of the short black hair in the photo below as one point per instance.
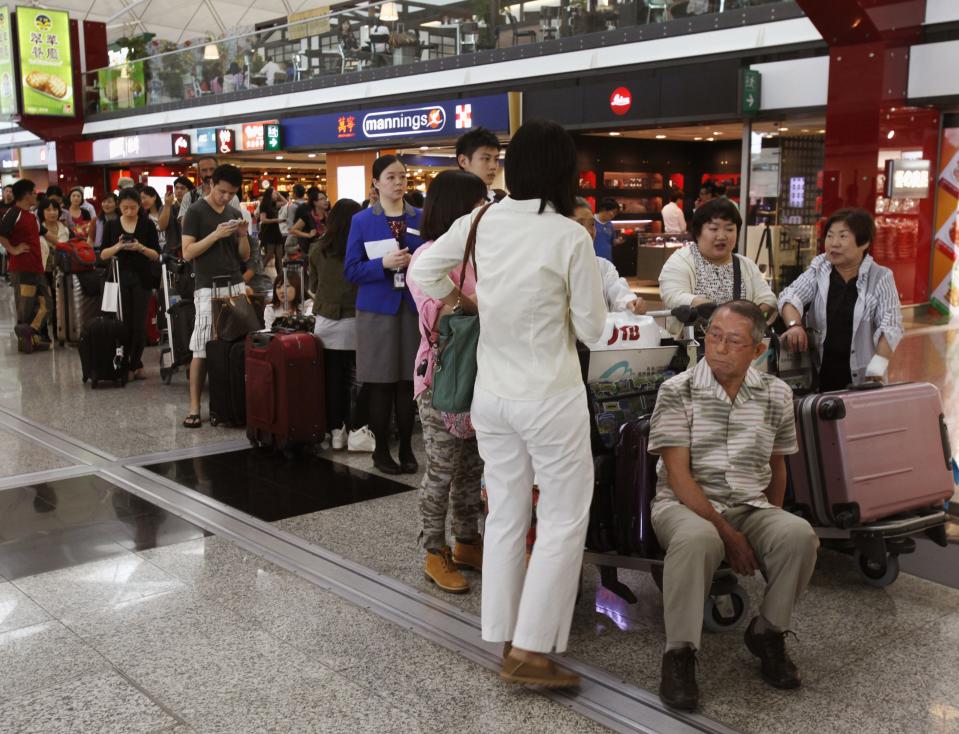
(470, 142)
(154, 194)
(54, 191)
(722, 209)
(313, 194)
(129, 193)
(415, 198)
(184, 181)
(609, 204)
(46, 203)
(451, 195)
(676, 194)
(860, 223)
(80, 189)
(299, 190)
(228, 174)
(541, 164)
(384, 162)
(23, 187)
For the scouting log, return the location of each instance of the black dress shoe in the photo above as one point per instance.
(770, 647)
(677, 687)
(386, 465)
(409, 465)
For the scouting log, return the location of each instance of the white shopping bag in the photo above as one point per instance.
(111, 292)
(626, 330)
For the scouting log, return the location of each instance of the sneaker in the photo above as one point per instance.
(338, 441)
(325, 444)
(361, 439)
(677, 686)
(770, 647)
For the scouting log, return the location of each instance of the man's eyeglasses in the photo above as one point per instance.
(733, 342)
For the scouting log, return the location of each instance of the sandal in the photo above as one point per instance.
(192, 421)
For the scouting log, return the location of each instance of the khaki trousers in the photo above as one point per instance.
(785, 546)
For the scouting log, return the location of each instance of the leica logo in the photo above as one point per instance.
(620, 101)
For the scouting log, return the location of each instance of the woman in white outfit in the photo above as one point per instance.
(538, 290)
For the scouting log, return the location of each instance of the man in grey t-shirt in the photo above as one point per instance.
(204, 174)
(215, 240)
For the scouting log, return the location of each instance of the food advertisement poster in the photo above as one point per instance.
(945, 273)
(8, 92)
(122, 87)
(46, 69)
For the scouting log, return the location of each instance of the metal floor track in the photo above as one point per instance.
(602, 697)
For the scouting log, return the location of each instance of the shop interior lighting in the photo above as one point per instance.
(710, 139)
(890, 135)
(211, 52)
(279, 158)
(822, 132)
(311, 155)
(698, 137)
(615, 134)
(717, 133)
(784, 129)
(389, 13)
(660, 137)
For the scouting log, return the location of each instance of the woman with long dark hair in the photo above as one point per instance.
(152, 207)
(387, 335)
(108, 213)
(134, 243)
(271, 239)
(334, 306)
(538, 288)
(453, 464)
(78, 217)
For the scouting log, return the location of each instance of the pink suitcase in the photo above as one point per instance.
(870, 453)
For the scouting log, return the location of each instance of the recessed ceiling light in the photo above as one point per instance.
(822, 132)
(311, 155)
(784, 129)
(266, 173)
(660, 137)
(424, 147)
(289, 168)
(710, 139)
(279, 158)
(615, 134)
(891, 134)
(805, 130)
(716, 132)
(698, 137)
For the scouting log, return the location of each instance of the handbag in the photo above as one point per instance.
(233, 316)
(111, 301)
(454, 372)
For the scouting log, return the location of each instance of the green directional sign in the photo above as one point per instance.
(752, 91)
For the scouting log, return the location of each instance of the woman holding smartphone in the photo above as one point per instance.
(135, 245)
(387, 331)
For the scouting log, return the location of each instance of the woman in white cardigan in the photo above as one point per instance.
(705, 272)
(538, 288)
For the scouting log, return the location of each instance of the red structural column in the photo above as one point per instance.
(867, 118)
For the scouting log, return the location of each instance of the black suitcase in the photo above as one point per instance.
(182, 321)
(102, 352)
(226, 376)
(634, 490)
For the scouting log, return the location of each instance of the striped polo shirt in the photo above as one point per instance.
(730, 441)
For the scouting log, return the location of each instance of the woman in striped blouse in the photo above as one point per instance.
(854, 320)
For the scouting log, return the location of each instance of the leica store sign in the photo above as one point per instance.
(620, 101)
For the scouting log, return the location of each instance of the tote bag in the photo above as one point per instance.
(454, 373)
(111, 302)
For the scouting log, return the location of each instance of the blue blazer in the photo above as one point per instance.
(376, 293)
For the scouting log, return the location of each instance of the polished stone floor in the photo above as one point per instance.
(118, 616)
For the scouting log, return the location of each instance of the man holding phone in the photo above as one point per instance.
(215, 240)
(169, 220)
(205, 167)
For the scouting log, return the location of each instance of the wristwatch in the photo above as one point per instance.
(791, 324)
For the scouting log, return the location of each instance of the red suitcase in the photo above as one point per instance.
(868, 454)
(285, 399)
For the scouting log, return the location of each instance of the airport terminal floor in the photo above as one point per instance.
(160, 579)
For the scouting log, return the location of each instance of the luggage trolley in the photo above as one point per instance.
(727, 602)
(179, 315)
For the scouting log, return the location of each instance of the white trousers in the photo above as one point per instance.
(519, 438)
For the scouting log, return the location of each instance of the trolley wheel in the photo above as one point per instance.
(878, 574)
(214, 421)
(722, 613)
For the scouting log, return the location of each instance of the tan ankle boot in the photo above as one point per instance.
(441, 570)
(469, 555)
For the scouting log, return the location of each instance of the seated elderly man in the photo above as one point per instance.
(722, 430)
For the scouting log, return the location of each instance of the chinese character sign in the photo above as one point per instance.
(46, 71)
(8, 93)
